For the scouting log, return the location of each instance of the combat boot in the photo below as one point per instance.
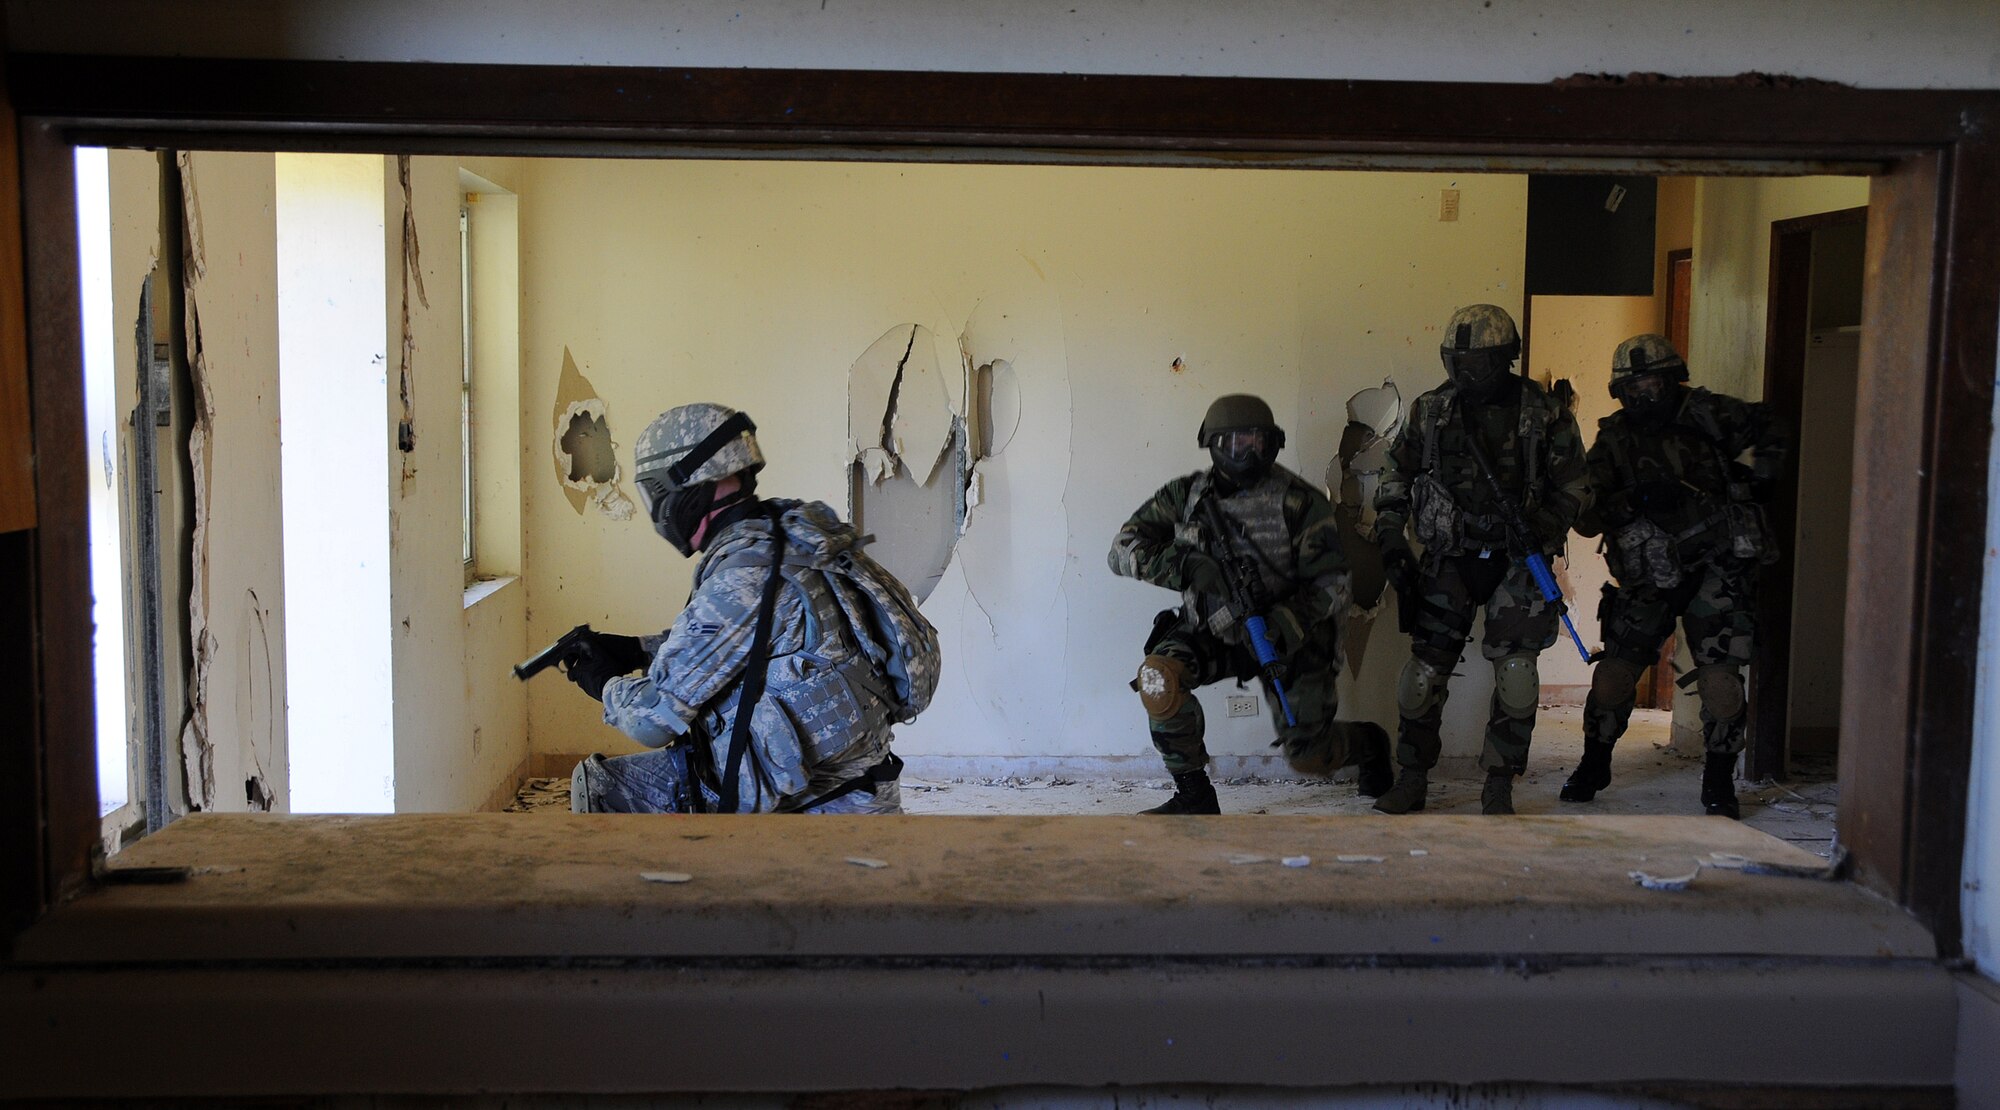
(1496, 798)
(1592, 774)
(1193, 793)
(1373, 773)
(1718, 786)
(1407, 796)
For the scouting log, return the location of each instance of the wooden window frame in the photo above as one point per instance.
(1924, 430)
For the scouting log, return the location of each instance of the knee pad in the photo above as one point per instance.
(1615, 681)
(1421, 687)
(1721, 690)
(1517, 684)
(1162, 685)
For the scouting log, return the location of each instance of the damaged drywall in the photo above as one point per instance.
(1374, 417)
(412, 273)
(586, 457)
(234, 731)
(908, 454)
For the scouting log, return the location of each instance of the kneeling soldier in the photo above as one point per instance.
(1685, 532)
(1243, 540)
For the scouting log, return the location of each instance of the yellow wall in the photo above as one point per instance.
(1732, 269)
(760, 284)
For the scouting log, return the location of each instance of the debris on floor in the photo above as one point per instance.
(868, 862)
(1665, 882)
(665, 876)
(536, 795)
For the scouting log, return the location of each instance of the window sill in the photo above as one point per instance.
(484, 588)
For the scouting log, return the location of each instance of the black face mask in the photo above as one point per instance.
(677, 513)
(1243, 455)
(1480, 374)
(1651, 400)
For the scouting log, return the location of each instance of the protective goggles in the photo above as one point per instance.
(1241, 444)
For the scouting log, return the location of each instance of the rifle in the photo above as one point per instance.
(1524, 538)
(1241, 576)
(566, 649)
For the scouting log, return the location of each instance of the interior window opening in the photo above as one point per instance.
(989, 400)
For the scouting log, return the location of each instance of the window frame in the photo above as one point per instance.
(1927, 367)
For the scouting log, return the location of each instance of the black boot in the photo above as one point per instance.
(1496, 798)
(1718, 786)
(1373, 773)
(1193, 793)
(1407, 796)
(1592, 774)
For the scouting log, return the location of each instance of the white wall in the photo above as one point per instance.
(1942, 43)
(760, 284)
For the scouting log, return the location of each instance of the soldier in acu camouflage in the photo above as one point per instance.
(819, 710)
(1684, 532)
(1472, 557)
(1281, 529)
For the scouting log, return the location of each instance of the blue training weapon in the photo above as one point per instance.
(1241, 576)
(1524, 538)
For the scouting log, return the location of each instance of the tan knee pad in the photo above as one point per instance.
(1615, 680)
(1420, 688)
(1518, 684)
(1721, 690)
(1162, 685)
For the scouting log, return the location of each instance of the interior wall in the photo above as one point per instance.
(1732, 269)
(1574, 338)
(234, 743)
(459, 740)
(1124, 300)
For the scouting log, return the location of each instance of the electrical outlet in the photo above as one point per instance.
(1243, 705)
(1448, 205)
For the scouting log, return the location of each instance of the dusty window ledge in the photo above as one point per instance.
(513, 885)
(486, 587)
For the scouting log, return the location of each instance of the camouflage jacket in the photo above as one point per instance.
(825, 714)
(1433, 479)
(1284, 526)
(1694, 455)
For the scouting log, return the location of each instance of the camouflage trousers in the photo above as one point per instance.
(1714, 606)
(1310, 678)
(1518, 620)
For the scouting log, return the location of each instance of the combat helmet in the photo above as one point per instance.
(1646, 354)
(1242, 437)
(1480, 344)
(679, 458)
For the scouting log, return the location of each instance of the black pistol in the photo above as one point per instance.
(567, 647)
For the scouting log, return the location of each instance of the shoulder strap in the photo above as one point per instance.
(754, 674)
(888, 770)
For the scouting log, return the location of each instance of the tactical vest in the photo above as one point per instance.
(1719, 515)
(1452, 507)
(1258, 529)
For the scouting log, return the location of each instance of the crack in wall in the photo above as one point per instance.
(412, 271)
(197, 752)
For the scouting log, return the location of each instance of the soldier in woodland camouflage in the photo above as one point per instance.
(1471, 556)
(820, 704)
(1285, 528)
(1684, 534)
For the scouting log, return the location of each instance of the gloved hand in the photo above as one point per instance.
(596, 665)
(1657, 496)
(1399, 563)
(1201, 571)
(624, 651)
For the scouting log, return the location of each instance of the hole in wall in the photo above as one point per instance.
(587, 442)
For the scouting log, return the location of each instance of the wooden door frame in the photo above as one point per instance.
(1785, 324)
(1928, 358)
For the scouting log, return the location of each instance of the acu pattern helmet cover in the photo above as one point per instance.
(679, 430)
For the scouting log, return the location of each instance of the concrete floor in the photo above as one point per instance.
(1649, 778)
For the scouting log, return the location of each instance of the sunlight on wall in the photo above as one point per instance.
(332, 360)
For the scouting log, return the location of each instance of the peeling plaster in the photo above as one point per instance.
(1374, 417)
(902, 426)
(586, 479)
(197, 752)
(412, 271)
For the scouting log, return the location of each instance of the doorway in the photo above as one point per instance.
(1811, 375)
